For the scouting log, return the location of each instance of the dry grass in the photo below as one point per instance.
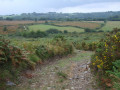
(2, 23)
(95, 21)
(12, 26)
(10, 29)
(80, 24)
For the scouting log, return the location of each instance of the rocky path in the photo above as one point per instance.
(71, 73)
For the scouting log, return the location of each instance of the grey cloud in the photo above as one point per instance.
(20, 6)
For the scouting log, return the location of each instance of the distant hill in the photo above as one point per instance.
(64, 16)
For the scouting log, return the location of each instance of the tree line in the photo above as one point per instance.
(101, 16)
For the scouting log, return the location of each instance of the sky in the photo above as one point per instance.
(65, 6)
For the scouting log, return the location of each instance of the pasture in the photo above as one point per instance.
(8, 23)
(43, 27)
(90, 25)
(94, 21)
(110, 25)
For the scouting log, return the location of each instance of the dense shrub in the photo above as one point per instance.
(89, 30)
(58, 47)
(115, 74)
(12, 60)
(65, 31)
(85, 46)
(53, 31)
(106, 54)
(5, 28)
(42, 52)
(34, 34)
(34, 58)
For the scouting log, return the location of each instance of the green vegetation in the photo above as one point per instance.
(53, 31)
(58, 47)
(115, 74)
(106, 54)
(43, 27)
(61, 74)
(12, 60)
(33, 34)
(110, 25)
(5, 28)
(40, 43)
(97, 16)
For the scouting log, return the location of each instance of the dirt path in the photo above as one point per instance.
(72, 73)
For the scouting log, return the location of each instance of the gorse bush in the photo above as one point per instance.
(107, 56)
(107, 52)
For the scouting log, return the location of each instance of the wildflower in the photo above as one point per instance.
(106, 44)
(93, 63)
(99, 66)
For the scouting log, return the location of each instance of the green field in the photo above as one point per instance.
(110, 25)
(43, 27)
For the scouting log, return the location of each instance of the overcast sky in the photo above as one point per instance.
(65, 6)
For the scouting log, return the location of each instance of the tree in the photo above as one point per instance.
(9, 18)
(65, 31)
(5, 28)
(1, 18)
(53, 31)
(36, 20)
(46, 22)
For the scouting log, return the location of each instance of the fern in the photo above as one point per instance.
(116, 74)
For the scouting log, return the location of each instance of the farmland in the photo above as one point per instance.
(70, 26)
(2, 23)
(110, 25)
(94, 21)
(12, 26)
(90, 25)
(43, 27)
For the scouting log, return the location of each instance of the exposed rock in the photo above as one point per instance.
(9, 83)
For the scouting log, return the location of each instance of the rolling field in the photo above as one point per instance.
(110, 25)
(94, 21)
(12, 26)
(2, 23)
(43, 27)
(10, 29)
(90, 25)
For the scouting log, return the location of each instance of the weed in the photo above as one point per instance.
(62, 74)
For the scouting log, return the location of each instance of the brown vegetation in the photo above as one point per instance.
(80, 24)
